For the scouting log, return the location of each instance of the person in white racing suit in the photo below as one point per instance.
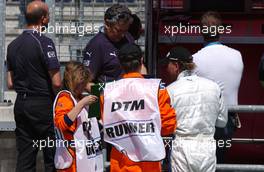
(200, 108)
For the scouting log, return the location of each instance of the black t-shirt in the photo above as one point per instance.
(100, 56)
(30, 56)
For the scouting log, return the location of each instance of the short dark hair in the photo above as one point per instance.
(34, 16)
(135, 27)
(130, 57)
(118, 13)
(211, 19)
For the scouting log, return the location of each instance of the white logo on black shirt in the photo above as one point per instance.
(51, 54)
(113, 54)
(50, 46)
(86, 62)
(89, 54)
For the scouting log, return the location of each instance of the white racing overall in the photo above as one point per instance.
(199, 106)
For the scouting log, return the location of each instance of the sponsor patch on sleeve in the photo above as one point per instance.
(86, 62)
(51, 54)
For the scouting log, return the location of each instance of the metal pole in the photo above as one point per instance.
(240, 167)
(248, 140)
(51, 4)
(246, 109)
(2, 49)
(155, 35)
(149, 34)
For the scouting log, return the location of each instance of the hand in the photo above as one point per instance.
(88, 86)
(88, 100)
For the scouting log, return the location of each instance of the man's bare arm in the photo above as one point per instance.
(55, 79)
(10, 80)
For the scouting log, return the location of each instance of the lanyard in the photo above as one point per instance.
(213, 43)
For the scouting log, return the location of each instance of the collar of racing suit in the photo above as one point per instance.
(185, 73)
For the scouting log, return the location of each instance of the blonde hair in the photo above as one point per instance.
(188, 66)
(75, 74)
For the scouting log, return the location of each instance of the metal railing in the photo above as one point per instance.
(239, 167)
(244, 167)
(246, 108)
(2, 49)
(10, 126)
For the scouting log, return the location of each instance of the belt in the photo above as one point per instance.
(25, 95)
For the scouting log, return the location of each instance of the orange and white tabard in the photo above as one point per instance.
(86, 143)
(131, 118)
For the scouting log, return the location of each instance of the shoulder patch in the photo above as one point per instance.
(51, 54)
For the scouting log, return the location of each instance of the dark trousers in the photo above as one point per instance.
(223, 135)
(34, 123)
